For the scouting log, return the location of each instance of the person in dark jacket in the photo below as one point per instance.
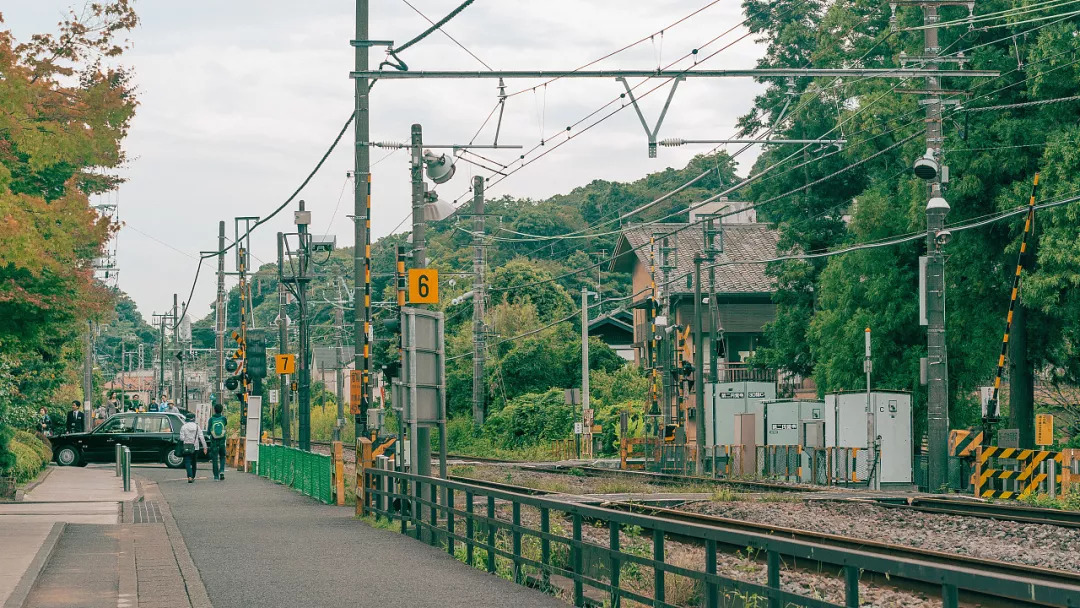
(75, 418)
(216, 428)
(43, 422)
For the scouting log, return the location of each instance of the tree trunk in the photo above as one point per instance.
(1021, 381)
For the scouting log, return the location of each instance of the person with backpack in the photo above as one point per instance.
(190, 440)
(216, 427)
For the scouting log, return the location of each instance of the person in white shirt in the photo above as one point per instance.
(191, 439)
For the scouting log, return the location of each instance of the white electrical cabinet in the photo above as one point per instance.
(853, 420)
(731, 398)
(782, 419)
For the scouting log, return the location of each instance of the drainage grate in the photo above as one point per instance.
(146, 512)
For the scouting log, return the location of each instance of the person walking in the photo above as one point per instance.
(217, 430)
(191, 438)
(75, 418)
(171, 408)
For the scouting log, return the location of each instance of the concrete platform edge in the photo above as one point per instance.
(17, 599)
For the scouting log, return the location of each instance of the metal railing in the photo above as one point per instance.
(309, 473)
(525, 543)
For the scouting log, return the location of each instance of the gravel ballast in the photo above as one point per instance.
(1046, 546)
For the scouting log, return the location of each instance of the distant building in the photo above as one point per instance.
(616, 329)
(743, 291)
(325, 366)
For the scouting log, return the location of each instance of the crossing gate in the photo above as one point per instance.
(962, 442)
(1016, 473)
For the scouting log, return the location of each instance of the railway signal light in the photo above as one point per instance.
(256, 353)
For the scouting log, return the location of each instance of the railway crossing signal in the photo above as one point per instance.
(256, 353)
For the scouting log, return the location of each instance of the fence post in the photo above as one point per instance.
(363, 450)
(851, 586)
(658, 572)
(712, 599)
(545, 547)
(339, 472)
(614, 564)
(515, 545)
(772, 559)
(978, 470)
(469, 533)
(491, 534)
(450, 528)
(578, 562)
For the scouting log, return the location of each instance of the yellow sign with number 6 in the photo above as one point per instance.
(423, 286)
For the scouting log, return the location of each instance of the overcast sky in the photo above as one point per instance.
(239, 99)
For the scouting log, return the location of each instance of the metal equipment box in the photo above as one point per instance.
(730, 398)
(782, 419)
(854, 419)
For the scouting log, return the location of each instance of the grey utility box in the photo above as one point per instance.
(782, 419)
(852, 422)
(730, 398)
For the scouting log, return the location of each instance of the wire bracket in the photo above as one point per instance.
(651, 133)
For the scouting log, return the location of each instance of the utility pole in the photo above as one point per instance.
(362, 221)
(339, 377)
(422, 466)
(161, 358)
(88, 376)
(479, 297)
(586, 413)
(219, 314)
(174, 391)
(304, 363)
(937, 408)
(283, 347)
(714, 245)
(699, 364)
(183, 364)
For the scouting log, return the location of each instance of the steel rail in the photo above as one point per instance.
(886, 550)
(1000, 512)
(674, 479)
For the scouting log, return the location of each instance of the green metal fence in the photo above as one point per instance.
(525, 538)
(308, 473)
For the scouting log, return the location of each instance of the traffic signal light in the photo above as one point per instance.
(235, 363)
(256, 353)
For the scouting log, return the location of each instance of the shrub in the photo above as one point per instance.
(531, 419)
(36, 442)
(27, 462)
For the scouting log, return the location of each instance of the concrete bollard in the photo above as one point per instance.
(126, 466)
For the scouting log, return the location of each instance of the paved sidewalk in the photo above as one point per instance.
(90, 559)
(68, 495)
(256, 543)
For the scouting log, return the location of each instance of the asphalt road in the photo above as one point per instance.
(259, 544)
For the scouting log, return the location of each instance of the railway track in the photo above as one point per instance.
(998, 568)
(998, 511)
(673, 479)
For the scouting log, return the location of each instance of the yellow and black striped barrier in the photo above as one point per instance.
(1026, 477)
(962, 442)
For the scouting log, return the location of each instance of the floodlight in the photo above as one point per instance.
(439, 168)
(438, 210)
(927, 167)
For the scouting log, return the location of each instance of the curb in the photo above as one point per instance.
(196, 591)
(17, 599)
(22, 492)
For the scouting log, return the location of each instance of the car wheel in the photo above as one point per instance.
(67, 456)
(172, 460)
